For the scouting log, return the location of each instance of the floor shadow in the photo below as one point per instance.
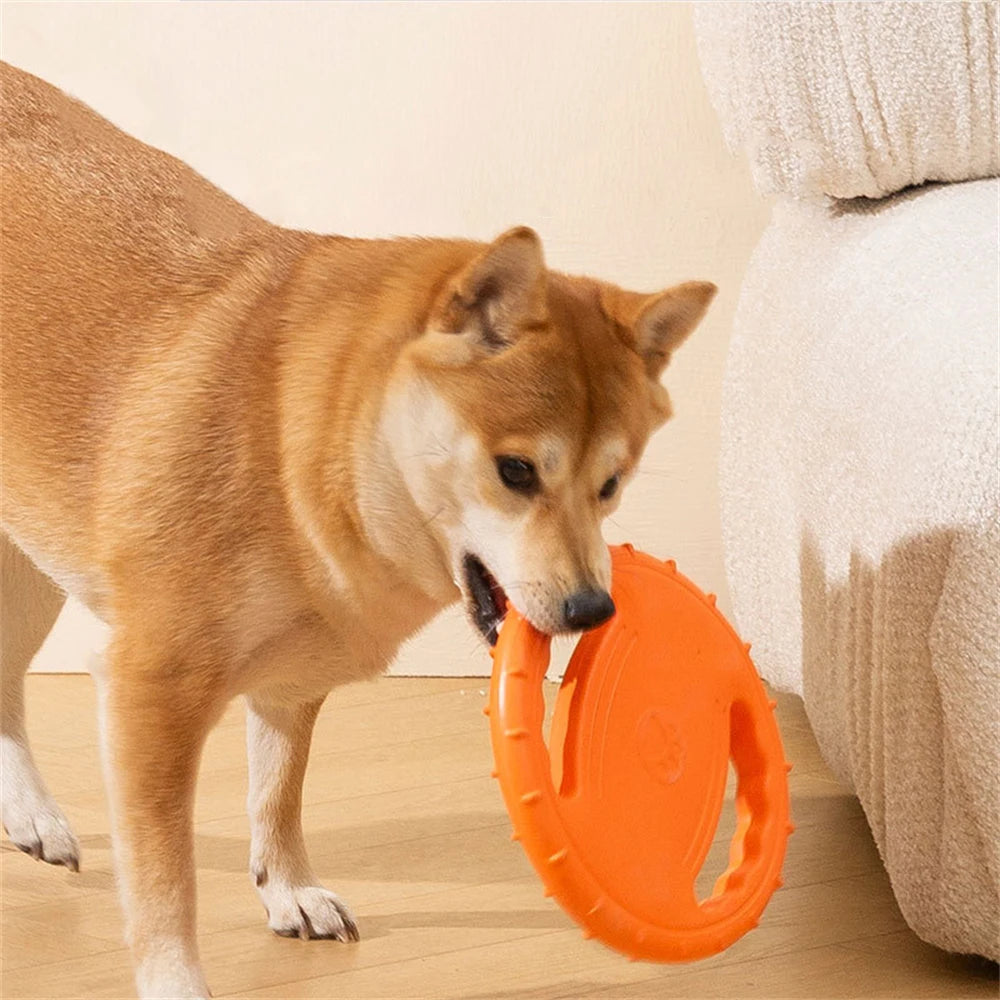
(382, 924)
(96, 841)
(560, 991)
(471, 847)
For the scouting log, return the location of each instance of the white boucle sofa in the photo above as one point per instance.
(859, 467)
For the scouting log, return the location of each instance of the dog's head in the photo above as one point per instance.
(517, 418)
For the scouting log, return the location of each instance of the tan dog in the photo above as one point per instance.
(267, 457)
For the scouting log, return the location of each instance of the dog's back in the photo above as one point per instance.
(106, 242)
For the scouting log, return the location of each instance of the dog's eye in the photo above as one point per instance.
(517, 474)
(610, 488)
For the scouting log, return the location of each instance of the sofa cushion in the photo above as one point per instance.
(854, 99)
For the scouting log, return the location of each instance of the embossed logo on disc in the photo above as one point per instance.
(660, 746)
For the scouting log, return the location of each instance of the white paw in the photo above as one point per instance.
(169, 972)
(308, 912)
(180, 989)
(30, 815)
(37, 826)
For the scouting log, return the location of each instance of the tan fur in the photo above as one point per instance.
(260, 455)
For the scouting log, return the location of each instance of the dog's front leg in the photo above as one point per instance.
(155, 716)
(278, 736)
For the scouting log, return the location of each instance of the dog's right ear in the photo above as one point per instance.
(498, 295)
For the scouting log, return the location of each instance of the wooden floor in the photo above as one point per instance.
(403, 820)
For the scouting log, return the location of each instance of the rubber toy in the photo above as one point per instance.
(618, 812)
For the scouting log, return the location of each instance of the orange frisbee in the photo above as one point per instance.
(618, 813)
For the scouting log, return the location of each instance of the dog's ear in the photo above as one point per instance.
(658, 324)
(498, 295)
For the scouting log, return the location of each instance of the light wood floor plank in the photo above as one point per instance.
(402, 819)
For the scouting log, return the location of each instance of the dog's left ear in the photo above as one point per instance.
(659, 324)
(498, 294)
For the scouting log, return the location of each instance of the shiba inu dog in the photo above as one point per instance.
(265, 458)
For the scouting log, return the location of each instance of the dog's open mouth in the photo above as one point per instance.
(489, 602)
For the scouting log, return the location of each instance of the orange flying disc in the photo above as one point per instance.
(618, 812)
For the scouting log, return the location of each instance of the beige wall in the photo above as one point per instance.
(587, 121)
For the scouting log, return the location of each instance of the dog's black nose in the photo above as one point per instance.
(588, 609)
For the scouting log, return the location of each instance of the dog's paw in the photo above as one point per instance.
(309, 912)
(168, 971)
(41, 830)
